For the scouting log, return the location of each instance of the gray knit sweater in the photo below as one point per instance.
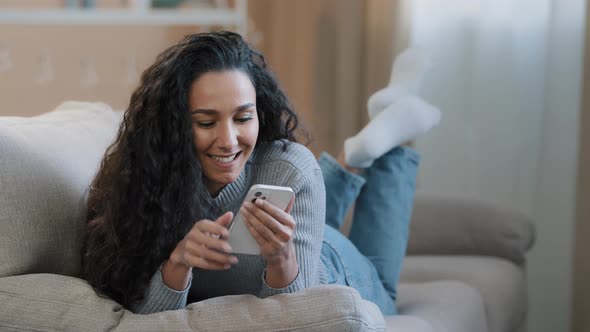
(269, 164)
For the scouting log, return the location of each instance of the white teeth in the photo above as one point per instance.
(224, 160)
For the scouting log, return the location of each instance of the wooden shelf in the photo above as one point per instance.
(66, 16)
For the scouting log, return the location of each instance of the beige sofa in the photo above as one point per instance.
(464, 270)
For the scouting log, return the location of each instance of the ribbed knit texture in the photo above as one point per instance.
(269, 164)
(159, 297)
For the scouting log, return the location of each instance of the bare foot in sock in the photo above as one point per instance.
(402, 121)
(406, 75)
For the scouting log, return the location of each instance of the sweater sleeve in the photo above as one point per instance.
(309, 213)
(159, 297)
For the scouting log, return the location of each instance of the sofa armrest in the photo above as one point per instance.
(451, 226)
(50, 302)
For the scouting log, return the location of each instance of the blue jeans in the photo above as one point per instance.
(370, 260)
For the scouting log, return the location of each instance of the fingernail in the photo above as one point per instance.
(259, 202)
(226, 266)
(233, 260)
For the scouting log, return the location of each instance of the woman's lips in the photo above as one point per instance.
(225, 161)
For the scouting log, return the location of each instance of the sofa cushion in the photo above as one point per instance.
(46, 165)
(447, 306)
(397, 323)
(51, 302)
(453, 226)
(501, 283)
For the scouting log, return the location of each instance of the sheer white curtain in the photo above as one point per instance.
(488, 79)
(507, 77)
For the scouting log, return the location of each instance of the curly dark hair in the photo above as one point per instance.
(149, 188)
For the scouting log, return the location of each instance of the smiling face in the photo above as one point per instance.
(225, 125)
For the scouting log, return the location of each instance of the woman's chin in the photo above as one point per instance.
(216, 183)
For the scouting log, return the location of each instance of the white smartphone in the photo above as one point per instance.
(240, 238)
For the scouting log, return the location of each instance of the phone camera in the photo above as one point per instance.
(257, 194)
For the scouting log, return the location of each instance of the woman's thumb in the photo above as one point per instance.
(225, 219)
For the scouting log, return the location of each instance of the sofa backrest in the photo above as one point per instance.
(46, 165)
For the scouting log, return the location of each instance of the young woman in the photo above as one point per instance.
(207, 122)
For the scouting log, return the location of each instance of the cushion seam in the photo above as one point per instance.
(335, 320)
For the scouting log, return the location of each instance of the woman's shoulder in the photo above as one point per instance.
(285, 154)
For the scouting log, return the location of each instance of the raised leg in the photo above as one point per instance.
(382, 213)
(342, 189)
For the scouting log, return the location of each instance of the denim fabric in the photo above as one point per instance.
(342, 189)
(347, 266)
(371, 260)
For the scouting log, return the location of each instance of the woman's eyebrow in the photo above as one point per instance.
(244, 107)
(206, 111)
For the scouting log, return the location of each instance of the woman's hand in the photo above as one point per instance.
(204, 246)
(271, 227)
(273, 230)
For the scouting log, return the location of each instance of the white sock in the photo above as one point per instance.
(401, 122)
(406, 76)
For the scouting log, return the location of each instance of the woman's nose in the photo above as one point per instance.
(227, 137)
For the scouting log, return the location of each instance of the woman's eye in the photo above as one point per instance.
(205, 124)
(243, 120)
